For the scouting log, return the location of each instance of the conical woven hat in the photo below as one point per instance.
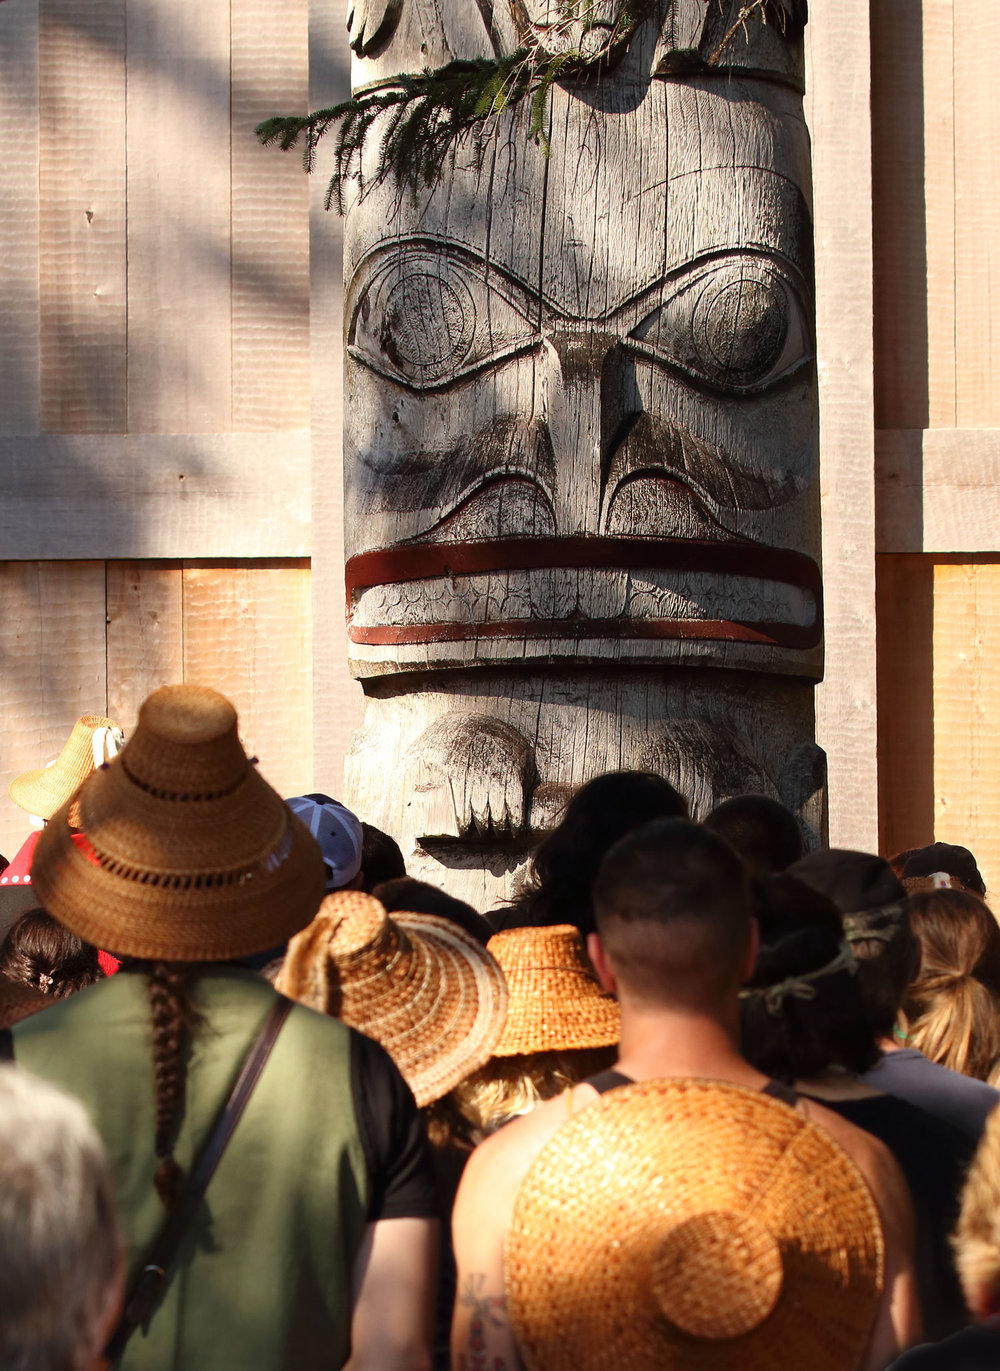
(693, 1226)
(554, 1000)
(93, 741)
(419, 985)
(189, 855)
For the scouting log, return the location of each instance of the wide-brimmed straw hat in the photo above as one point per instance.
(93, 741)
(688, 1224)
(554, 1000)
(419, 985)
(188, 853)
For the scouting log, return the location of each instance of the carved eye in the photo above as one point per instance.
(739, 326)
(427, 319)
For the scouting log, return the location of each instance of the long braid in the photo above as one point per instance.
(173, 1017)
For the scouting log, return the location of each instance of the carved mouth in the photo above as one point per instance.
(584, 588)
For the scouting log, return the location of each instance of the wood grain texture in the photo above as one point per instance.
(938, 490)
(52, 668)
(145, 633)
(337, 698)
(906, 686)
(179, 261)
(939, 21)
(246, 633)
(202, 495)
(977, 212)
(838, 112)
(967, 711)
(82, 229)
(270, 222)
(19, 135)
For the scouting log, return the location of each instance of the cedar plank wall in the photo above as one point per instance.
(155, 388)
(935, 111)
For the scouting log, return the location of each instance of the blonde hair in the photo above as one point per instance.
(509, 1086)
(976, 1241)
(952, 1008)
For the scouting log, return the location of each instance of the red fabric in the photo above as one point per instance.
(19, 873)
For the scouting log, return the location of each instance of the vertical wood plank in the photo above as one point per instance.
(939, 25)
(52, 668)
(19, 137)
(179, 361)
(337, 699)
(906, 745)
(270, 221)
(967, 711)
(145, 634)
(976, 212)
(247, 633)
(82, 229)
(899, 215)
(838, 85)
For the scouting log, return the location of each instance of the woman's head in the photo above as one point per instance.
(952, 1007)
(41, 953)
(601, 812)
(802, 1010)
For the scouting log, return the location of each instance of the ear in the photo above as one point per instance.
(599, 958)
(750, 955)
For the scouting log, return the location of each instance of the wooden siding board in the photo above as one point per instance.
(52, 667)
(270, 221)
(246, 633)
(202, 495)
(838, 86)
(145, 641)
(939, 491)
(82, 222)
(20, 119)
(179, 359)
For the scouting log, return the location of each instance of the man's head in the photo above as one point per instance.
(61, 1269)
(763, 831)
(673, 917)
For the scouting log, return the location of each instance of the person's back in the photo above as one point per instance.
(322, 1195)
(675, 942)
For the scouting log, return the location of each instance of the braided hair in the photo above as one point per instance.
(174, 1017)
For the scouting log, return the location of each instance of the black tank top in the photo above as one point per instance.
(604, 1081)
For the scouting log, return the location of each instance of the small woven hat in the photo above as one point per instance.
(188, 854)
(419, 985)
(94, 740)
(554, 1000)
(692, 1226)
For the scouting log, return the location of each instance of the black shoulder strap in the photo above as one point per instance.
(778, 1090)
(152, 1277)
(6, 1045)
(604, 1081)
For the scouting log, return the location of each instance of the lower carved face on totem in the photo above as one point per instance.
(581, 424)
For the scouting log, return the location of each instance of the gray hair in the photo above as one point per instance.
(60, 1252)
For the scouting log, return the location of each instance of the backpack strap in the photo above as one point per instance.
(148, 1285)
(6, 1045)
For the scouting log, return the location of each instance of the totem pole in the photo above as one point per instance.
(582, 499)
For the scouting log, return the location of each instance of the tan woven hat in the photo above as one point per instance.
(422, 987)
(693, 1226)
(554, 1001)
(94, 740)
(189, 855)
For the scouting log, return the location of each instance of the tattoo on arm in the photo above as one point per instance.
(487, 1314)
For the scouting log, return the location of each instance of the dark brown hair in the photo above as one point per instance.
(41, 953)
(174, 1017)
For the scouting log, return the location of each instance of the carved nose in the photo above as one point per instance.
(571, 398)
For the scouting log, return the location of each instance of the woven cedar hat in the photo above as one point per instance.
(554, 1001)
(693, 1226)
(188, 854)
(94, 740)
(419, 985)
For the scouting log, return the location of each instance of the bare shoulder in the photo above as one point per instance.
(503, 1158)
(872, 1158)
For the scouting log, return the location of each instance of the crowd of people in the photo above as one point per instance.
(696, 1098)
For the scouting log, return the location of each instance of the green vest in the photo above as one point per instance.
(262, 1279)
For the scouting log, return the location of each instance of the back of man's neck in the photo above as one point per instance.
(674, 1043)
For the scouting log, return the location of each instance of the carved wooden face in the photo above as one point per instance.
(581, 423)
(599, 29)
